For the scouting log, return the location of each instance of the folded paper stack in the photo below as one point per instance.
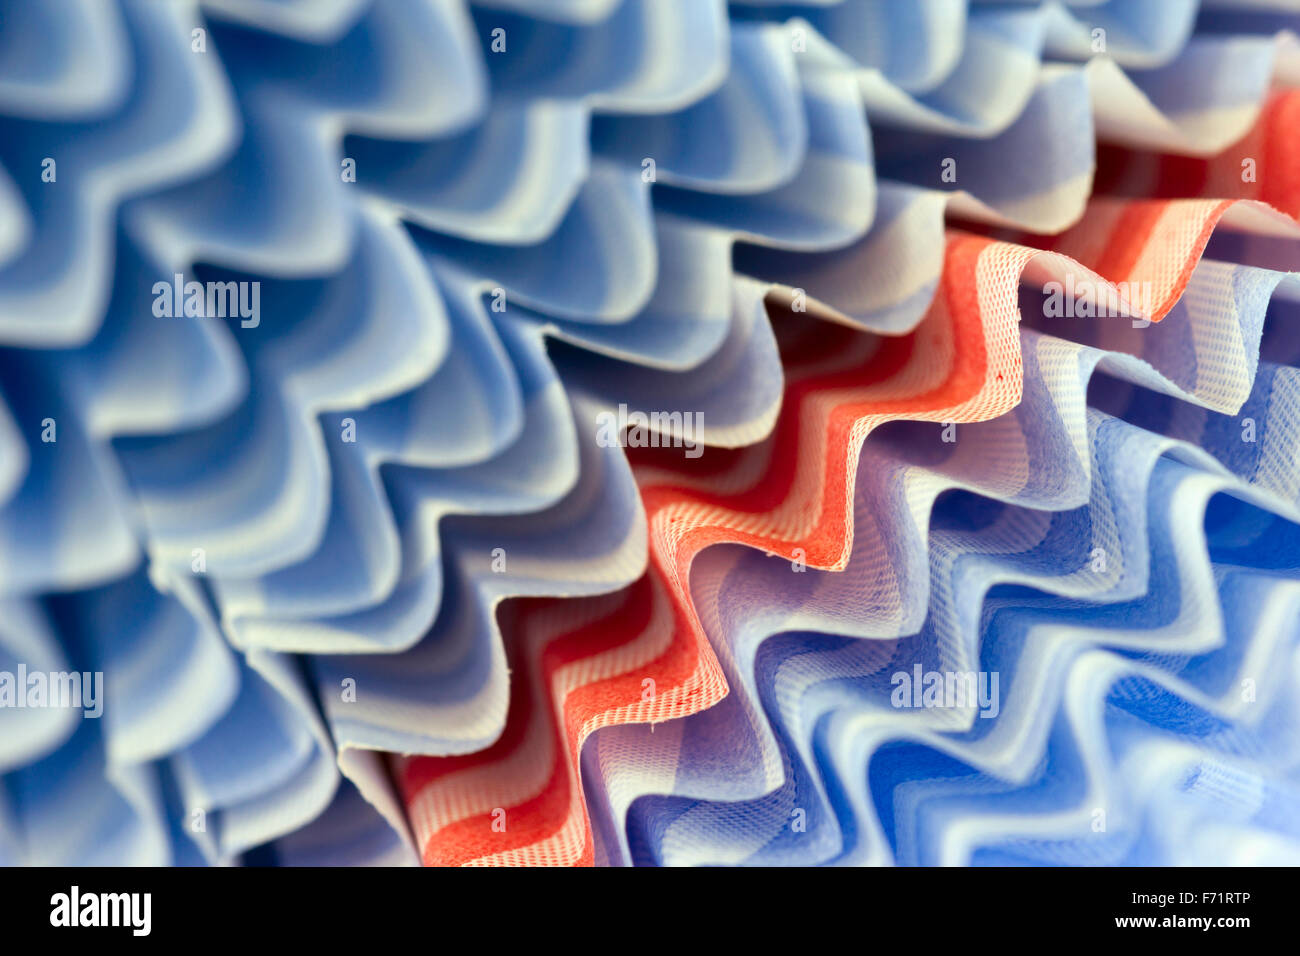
(664, 432)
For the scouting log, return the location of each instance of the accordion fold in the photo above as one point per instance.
(649, 432)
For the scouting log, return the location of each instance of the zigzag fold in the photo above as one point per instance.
(337, 528)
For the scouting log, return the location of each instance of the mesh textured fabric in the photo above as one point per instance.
(365, 576)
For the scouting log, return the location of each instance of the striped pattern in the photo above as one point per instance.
(366, 589)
